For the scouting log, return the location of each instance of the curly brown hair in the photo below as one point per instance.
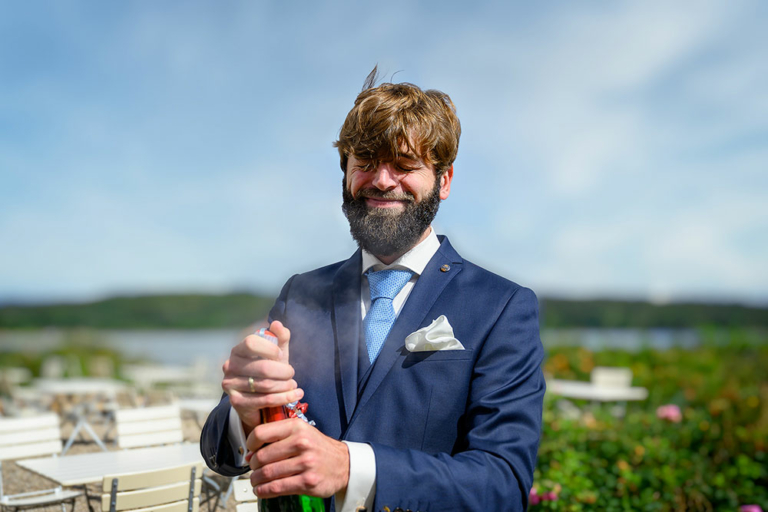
(391, 117)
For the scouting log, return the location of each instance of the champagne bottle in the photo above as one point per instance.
(293, 503)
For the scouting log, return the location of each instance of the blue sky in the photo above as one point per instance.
(608, 149)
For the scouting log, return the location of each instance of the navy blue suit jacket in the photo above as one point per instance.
(451, 430)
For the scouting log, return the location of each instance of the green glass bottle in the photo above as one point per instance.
(294, 503)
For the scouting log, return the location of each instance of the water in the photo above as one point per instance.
(631, 340)
(186, 347)
(169, 347)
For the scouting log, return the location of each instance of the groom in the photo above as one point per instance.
(421, 369)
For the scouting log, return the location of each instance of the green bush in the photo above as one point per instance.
(713, 458)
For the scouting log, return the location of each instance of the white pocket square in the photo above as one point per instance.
(436, 336)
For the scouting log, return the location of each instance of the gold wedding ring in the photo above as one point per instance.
(250, 385)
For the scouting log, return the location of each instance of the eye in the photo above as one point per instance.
(363, 166)
(407, 167)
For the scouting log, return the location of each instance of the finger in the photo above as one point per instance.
(249, 405)
(283, 337)
(295, 484)
(277, 470)
(255, 346)
(272, 453)
(259, 386)
(267, 376)
(249, 415)
(262, 368)
(238, 368)
(270, 433)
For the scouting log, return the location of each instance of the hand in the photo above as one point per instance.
(267, 364)
(297, 459)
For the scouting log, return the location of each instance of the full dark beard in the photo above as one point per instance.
(384, 232)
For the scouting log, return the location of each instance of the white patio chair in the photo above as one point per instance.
(611, 377)
(244, 496)
(148, 426)
(174, 489)
(151, 426)
(614, 378)
(31, 437)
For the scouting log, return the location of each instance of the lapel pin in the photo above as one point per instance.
(445, 268)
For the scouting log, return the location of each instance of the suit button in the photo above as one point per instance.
(445, 268)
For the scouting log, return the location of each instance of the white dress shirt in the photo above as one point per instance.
(361, 487)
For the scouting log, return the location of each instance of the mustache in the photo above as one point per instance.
(375, 193)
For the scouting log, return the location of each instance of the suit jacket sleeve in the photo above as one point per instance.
(214, 439)
(491, 467)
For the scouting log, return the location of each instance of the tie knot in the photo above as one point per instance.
(387, 283)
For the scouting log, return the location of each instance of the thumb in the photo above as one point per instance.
(283, 337)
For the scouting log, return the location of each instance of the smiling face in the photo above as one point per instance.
(396, 148)
(390, 205)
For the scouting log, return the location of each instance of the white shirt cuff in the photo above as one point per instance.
(361, 488)
(237, 438)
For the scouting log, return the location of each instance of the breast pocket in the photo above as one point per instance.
(419, 403)
(445, 376)
(437, 355)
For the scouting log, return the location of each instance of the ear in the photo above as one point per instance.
(445, 183)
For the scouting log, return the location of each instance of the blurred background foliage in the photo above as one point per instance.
(714, 458)
(143, 312)
(236, 310)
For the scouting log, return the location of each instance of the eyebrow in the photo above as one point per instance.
(408, 156)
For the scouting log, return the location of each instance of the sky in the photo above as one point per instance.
(609, 149)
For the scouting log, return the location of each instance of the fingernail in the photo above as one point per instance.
(299, 394)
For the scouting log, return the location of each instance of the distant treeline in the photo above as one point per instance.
(615, 314)
(146, 312)
(239, 310)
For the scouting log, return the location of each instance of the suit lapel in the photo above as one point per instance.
(428, 288)
(346, 326)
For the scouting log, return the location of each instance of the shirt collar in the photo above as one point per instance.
(414, 260)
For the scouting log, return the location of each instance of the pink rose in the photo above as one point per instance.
(549, 496)
(669, 412)
(750, 508)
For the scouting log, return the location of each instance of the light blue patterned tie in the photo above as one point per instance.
(385, 285)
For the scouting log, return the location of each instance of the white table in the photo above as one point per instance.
(88, 468)
(80, 386)
(146, 377)
(83, 386)
(590, 391)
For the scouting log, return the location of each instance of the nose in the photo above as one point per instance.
(385, 177)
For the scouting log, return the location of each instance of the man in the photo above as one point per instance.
(424, 365)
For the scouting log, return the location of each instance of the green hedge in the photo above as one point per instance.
(713, 457)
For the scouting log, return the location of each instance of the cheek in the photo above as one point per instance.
(355, 182)
(417, 187)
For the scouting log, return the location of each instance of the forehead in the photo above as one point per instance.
(409, 150)
(401, 158)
